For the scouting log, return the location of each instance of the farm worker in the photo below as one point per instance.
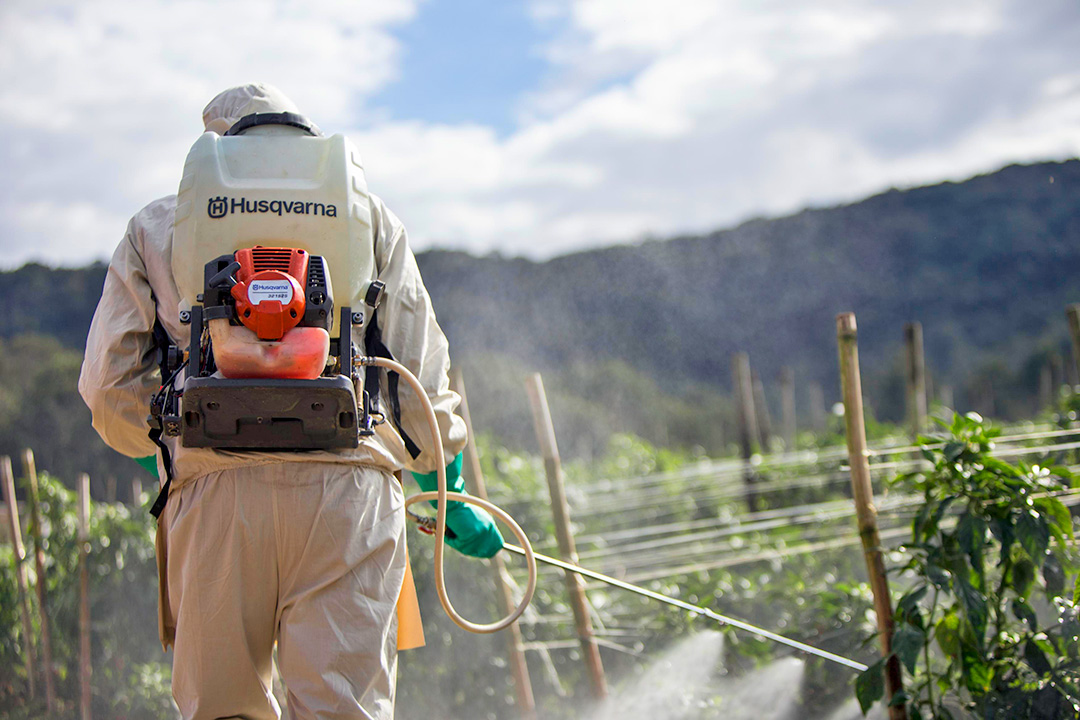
(303, 549)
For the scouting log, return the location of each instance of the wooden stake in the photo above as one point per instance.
(1046, 389)
(916, 379)
(787, 407)
(947, 399)
(748, 439)
(764, 417)
(110, 489)
(545, 435)
(847, 339)
(1057, 371)
(84, 597)
(136, 492)
(39, 564)
(8, 479)
(519, 668)
(817, 408)
(1073, 313)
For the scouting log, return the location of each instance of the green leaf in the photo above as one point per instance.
(1004, 531)
(953, 451)
(1024, 612)
(910, 600)
(973, 601)
(977, 674)
(899, 699)
(870, 685)
(1036, 658)
(938, 576)
(970, 532)
(1023, 577)
(907, 644)
(1053, 576)
(947, 633)
(1059, 515)
(939, 512)
(918, 522)
(1034, 535)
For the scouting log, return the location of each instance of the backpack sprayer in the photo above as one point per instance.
(283, 215)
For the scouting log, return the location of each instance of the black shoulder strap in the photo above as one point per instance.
(166, 459)
(162, 343)
(162, 340)
(374, 345)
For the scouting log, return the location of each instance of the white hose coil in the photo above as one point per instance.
(442, 496)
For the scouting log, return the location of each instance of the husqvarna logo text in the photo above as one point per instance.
(220, 206)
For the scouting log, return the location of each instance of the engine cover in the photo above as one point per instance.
(269, 298)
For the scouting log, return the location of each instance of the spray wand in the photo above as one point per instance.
(437, 526)
(427, 525)
(693, 609)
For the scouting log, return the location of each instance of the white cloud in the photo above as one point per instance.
(68, 233)
(682, 118)
(101, 100)
(654, 119)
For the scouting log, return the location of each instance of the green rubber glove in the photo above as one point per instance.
(149, 464)
(469, 529)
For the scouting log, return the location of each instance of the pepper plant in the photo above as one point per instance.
(988, 624)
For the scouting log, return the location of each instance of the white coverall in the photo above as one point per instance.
(305, 549)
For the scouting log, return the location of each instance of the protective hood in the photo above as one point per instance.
(224, 110)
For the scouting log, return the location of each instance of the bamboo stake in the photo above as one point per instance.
(39, 564)
(787, 407)
(847, 339)
(1046, 389)
(84, 597)
(8, 479)
(519, 668)
(545, 435)
(761, 406)
(916, 379)
(1057, 371)
(1073, 313)
(947, 399)
(748, 440)
(817, 408)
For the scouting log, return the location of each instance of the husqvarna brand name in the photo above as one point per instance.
(220, 206)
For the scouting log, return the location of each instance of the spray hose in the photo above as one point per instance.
(440, 515)
(438, 529)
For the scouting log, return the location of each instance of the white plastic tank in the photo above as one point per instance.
(275, 186)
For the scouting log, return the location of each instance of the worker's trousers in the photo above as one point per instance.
(309, 555)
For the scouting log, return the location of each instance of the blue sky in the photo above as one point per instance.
(537, 127)
(466, 61)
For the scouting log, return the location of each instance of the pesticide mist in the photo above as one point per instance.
(674, 686)
(687, 683)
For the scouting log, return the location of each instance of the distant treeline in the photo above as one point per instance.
(639, 338)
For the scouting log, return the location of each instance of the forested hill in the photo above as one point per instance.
(987, 265)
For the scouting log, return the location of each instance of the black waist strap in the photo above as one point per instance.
(374, 345)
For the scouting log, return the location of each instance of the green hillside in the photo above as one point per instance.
(638, 338)
(986, 265)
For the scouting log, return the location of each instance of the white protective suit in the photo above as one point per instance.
(305, 549)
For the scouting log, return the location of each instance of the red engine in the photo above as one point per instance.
(268, 292)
